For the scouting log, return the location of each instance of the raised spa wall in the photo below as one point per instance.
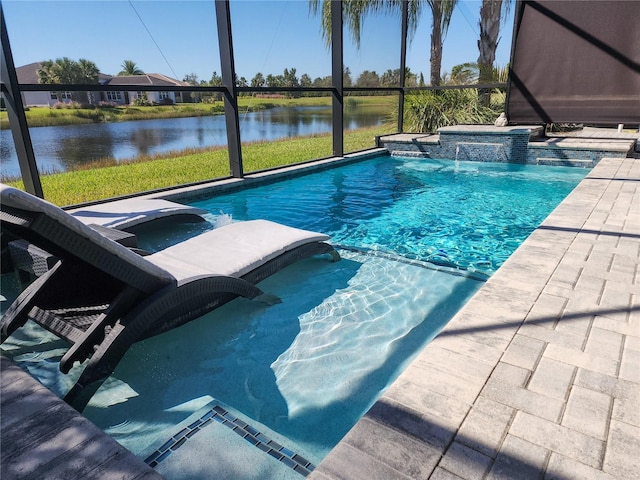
(515, 144)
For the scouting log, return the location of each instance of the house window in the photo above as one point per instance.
(63, 95)
(113, 96)
(163, 95)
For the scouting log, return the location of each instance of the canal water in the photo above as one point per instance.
(62, 147)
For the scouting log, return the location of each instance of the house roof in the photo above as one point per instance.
(146, 79)
(28, 74)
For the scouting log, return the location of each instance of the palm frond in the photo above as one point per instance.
(355, 11)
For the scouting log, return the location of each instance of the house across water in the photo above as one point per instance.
(28, 74)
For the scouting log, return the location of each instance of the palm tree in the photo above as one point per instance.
(463, 74)
(441, 11)
(355, 10)
(129, 67)
(491, 13)
(62, 70)
(469, 73)
(258, 80)
(88, 71)
(67, 71)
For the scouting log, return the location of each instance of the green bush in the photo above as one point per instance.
(142, 101)
(73, 105)
(429, 110)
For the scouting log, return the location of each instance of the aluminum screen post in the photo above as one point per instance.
(337, 80)
(17, 117)
(403, 64)
(225, 43)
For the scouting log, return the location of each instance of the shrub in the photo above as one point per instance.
(211, 98)
(142, 101)
(563, 127)
(73, 105)
(104, 104)
(351, 102)
(429, 110)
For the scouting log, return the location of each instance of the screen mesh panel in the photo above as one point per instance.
(576, 62)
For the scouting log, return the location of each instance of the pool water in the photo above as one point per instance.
(417, 237)
(466, 215)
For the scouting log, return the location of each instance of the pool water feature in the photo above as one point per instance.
(302, 372)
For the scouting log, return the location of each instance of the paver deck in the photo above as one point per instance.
(42, 437)
(538, 376)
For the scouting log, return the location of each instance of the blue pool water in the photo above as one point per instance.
(418, 236)
(467, 215)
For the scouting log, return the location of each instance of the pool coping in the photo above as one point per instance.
(537, 375)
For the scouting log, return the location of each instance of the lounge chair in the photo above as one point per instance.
(101, 297)
(134, 212)
(119, 220)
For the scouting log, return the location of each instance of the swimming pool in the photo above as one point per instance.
(418, 237)
(467, 215)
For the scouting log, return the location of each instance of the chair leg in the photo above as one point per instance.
(201, 296)
(17, 314)
(79, 395)
(100, 366)
(94, 335)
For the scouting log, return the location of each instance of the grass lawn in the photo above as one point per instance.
(108, 178)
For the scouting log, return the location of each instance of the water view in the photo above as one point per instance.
(63, 147)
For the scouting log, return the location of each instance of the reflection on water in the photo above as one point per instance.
(60, 148)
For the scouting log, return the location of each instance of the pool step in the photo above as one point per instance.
(199, 432)
(565, 162)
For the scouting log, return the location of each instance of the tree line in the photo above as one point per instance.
(85, 72)
(290, 79)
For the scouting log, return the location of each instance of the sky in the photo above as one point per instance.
(178, 38)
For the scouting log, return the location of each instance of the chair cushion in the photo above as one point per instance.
(130, 212)
(233, 249)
